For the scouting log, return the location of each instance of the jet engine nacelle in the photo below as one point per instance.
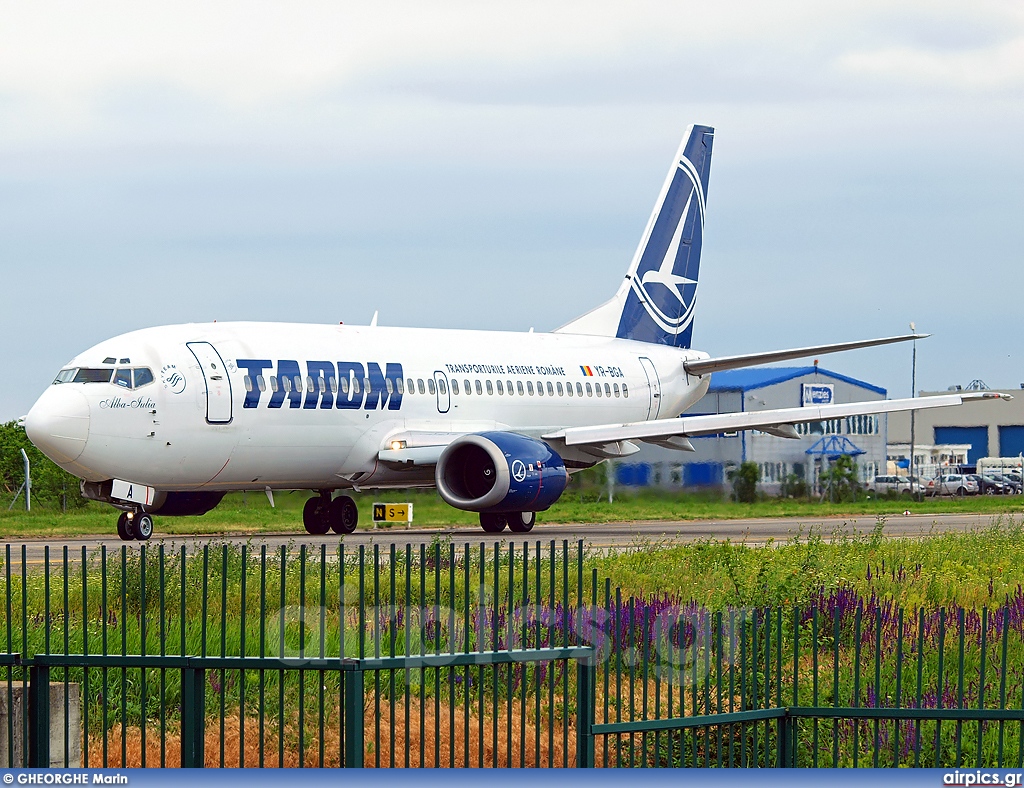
(497, 472)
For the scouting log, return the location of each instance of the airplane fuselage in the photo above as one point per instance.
(236, 406)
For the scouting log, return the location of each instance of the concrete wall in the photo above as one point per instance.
(13, 715)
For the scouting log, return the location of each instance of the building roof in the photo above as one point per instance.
(761, 377)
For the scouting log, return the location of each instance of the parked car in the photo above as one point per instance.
(1011, 481)
(989, 485)
(951, 484)
(901, 485)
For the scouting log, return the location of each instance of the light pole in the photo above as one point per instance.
(913, 393)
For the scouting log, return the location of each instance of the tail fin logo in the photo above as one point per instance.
(663, 284)
(682, 288)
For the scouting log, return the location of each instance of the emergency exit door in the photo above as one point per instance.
(218, 383)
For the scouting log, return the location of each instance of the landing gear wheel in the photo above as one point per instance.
(493, 523)
(314, 517)
(124, 529)
(521, 522)
(142, 527)
(343, 515)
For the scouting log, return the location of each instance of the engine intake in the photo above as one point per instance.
(500, 472)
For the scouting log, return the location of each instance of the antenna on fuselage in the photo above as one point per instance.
(373, 321)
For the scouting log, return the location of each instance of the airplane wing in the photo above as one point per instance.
(773, 421)
(706, 365)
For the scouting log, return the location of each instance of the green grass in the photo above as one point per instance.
(202, 605)
(251, 512)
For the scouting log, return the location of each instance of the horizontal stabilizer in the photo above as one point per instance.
(704, 366)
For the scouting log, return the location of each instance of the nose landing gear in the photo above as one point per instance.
(134, 525)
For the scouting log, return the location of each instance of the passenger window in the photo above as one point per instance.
(568, 389)
(455, 386)
(333, 383)
(597, 389)
(411, 385)
(273, 382)
(420, 386)
(560, 394)
(551, 389)
(519, 387)
(310, 386)
(286, 383)
(389, 386)
(501, 389)
(355, 385)
(590, 392)
(143, 376)
(430, 386)
(247, 382)
(625, 391)
(467, 387)
(579, 389)
(540, 388)
(529, 387)
(261, 382)
(508, 383)
(615, 388)
(344, 386)
(123, 378)
(366, 386)
(490, 388)
(607, 390)
(479, 388)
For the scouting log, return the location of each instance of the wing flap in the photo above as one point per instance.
(694, 426)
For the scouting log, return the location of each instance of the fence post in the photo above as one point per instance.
(193, 717)
(354, 742)
(585, 674)
(787, 741)
(39, 717)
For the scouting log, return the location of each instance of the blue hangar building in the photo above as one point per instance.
(768, 388)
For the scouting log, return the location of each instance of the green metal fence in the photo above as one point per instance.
(453, 655)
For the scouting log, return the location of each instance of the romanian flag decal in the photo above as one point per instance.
(587, 371)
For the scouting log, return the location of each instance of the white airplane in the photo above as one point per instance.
(166, 420)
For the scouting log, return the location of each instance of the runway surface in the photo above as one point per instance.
(606, 535)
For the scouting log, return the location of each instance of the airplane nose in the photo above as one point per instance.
(58, 423)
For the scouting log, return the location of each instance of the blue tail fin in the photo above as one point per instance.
(662, 281)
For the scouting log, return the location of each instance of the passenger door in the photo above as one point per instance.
(218, 383)
(654, 386)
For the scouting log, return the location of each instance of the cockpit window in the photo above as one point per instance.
(85, 375)
(143, 375)
(65, 375)
(123, 378)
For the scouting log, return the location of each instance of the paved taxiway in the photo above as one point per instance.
(607, 535)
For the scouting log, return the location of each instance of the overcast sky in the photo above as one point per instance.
(493, 165)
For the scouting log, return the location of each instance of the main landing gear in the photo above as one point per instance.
(134, 525)
(517, 522)
(321, 514)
